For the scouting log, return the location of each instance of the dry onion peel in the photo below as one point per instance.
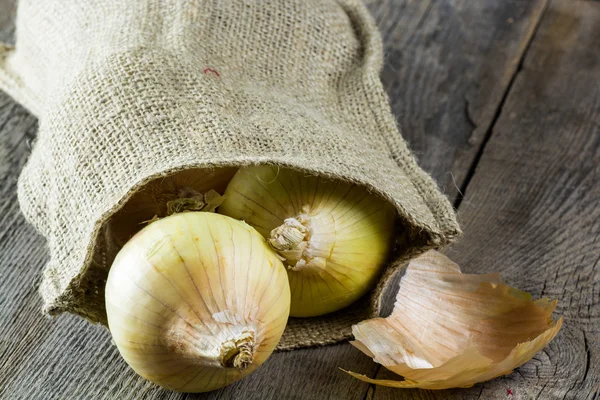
(195, 189)
(450, 329)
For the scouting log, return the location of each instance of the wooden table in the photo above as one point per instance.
(500, 101)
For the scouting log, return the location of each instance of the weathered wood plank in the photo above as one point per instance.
(532, 209)
(428, 84)
(7, 18)
(448, 65)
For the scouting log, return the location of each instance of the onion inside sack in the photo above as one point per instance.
(195, 189)
(334, 237)
(196, 301)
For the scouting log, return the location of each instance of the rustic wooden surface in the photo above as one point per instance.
(501, 101)
(532, 208)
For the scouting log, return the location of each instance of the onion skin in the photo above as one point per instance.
(196, 301)
(450, 329)
(153, 199)
(334, 237)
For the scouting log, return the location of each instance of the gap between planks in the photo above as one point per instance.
(530, 38)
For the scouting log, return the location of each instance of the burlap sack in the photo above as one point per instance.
(128, 91)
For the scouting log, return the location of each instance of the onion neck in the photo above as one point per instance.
(238, 353)
(289, 235)
(291, 240)
(236, 350)
(189, 199)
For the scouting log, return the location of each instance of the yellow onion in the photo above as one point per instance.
(334, 237)
(196, 301)
(450, 329)
(194, 189)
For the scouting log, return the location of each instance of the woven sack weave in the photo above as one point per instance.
(129, 91)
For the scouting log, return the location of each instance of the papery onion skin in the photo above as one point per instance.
(196, 301)
(450, 329)
(153, 199)
(335, 237)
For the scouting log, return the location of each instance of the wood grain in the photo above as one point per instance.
(7, 18)
(532, 209)
(447, 68)
(449, 64)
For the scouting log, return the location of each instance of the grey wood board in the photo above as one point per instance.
(66, 358)
(7, 20)
(448, 65)
(532, 209)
